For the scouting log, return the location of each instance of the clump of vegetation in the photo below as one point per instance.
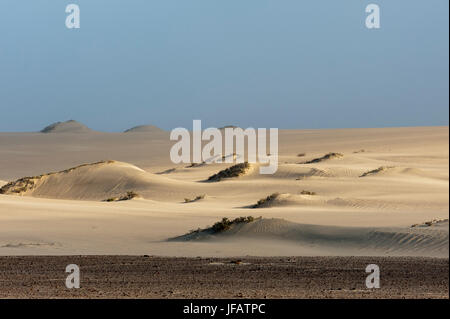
(324, 158)
(219, 227)
(359, 151)
(378, 170)
(266, 201)
(233, 171)
(129, 195)
(20, 186)
(226, 224)
(301, 154)
(307, 193)
(430, 223)
(197, 198)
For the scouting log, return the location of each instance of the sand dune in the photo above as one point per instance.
(96, 181)
(68, 207)
(392, 171)
(144, 129)
(70, 126)
(310, 199)
(358, 240)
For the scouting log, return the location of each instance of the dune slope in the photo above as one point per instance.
(96, 181)
(423, 241)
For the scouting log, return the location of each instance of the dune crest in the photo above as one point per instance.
(144, 129)
(70, 126)
(324, 158)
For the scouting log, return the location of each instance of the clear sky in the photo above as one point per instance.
(260, 63)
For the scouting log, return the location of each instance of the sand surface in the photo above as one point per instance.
(287, 277)
(364, 204)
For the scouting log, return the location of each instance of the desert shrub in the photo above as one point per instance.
(129, 195)
(265, 201)
(377, 170)
(233, 171)
(324, 158)
(226, 224)
(197, 198)
(307, 193)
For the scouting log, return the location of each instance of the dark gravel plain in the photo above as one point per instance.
(249, 277)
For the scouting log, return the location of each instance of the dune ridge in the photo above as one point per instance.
(144, 129)
(326, 157)
(354, 240)
(94, 181)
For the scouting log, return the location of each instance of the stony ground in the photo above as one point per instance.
(251, 277)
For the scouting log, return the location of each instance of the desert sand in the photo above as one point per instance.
(362, 202)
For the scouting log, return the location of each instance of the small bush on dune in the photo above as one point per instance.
(197, 198)
(129, 195)
(307, 193)
(376, 171)
(324, 158)
(233, 171)
(226, 224)
(265, 201)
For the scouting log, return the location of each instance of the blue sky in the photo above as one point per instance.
(260, 63)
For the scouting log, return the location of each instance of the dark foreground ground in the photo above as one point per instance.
(251, 277)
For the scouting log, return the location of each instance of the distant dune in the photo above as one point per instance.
(70, 126)
(144, 129)
(431, 241)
